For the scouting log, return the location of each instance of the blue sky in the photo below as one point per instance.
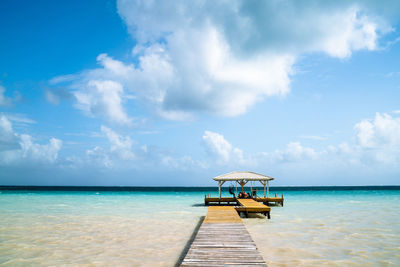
(176, 92)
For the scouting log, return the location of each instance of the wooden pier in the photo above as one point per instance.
(223, 240)
(251, 206)
(231, 200)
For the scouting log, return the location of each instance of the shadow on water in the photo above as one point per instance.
(189, 243)
(198, 205)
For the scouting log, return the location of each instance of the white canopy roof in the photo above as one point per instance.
(242, 175)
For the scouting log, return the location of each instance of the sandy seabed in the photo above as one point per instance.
(141, 229)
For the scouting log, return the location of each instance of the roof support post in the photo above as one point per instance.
(267, 188)
(220, 183)
(242, 183)
(236, 187)
(265, 184)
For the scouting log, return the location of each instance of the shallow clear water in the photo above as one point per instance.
(150, 228)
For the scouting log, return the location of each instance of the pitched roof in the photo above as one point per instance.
(243, 175)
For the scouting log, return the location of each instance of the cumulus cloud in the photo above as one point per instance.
(102, 97)
(122, 152)
(223, 153)
(8, 139)
(336, 28)
(379, 138)
(120, 148)
(37, 152)
(120, 145)
(20, 148)
(383, 130)
(221, 58)
(220, 149)
(377, 144)
(294, 151)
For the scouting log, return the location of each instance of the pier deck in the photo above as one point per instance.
(252, 206)
(231, 200)
(223, 240)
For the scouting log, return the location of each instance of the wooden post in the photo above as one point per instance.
(220, 183)
(265, 184)
(242, 183)
(236, 187)
(267, 188)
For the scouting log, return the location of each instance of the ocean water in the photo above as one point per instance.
(151, 227)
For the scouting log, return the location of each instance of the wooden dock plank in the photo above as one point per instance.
(218, 201)
(222, 214)
(223, 240)
(252, 206)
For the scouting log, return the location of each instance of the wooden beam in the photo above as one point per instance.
(223, 240)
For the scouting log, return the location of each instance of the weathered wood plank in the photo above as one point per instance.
(223, 240)
(218, 201)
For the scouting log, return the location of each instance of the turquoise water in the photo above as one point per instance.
(151, 228)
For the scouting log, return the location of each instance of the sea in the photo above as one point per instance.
(138, 226)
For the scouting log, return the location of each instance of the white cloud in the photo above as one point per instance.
(376, 146)
(102, 97)
(223, 153)
(20, 148)
(120, 149)
(346, 32)
(37, 152)
(8, 139)
(220, 149)
(383, 130)
(122, 154)
(220, 58)
(337, 28)
(4, 101)
(18, 118)
(120, 145)
(378, 139)
(294, 151)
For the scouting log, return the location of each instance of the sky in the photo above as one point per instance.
(173, 93)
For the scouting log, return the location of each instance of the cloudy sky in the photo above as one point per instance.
(167, 93)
